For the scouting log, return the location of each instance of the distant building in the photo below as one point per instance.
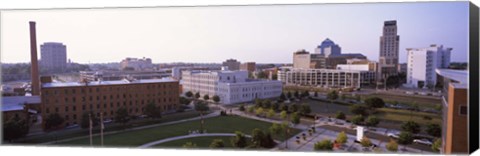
(318, 61)
(71, 99)
(301, 59)
(119, 75)
(402, 68)
(328, 48)
(332, 61)
(358, 64)
(422, 63)
(325, 77)
(231, 86)
(389, 47)
(136, 64)
(455, 111)
(53, 57)
(248, 66)
(232, 64)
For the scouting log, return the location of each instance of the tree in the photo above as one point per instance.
(184, 101)
(53, 121)
(251, 109)
(342, 137)
(293, 108)
(374, 102)
(289, 95)
(206, 97)
(217, 143)
(284, 107)
(343, 97)
(283, 115)
(283, 97)
(434, 130)
(372, 121)
(216, 98)
(275, 106)
(239, 140)
(201, 107)
(295, 118)
(271, 113)
(153, 111)
(324, 145)
(241, 108)
(358, 98)
(365, 142)
(15, 128)
(315, 94)
(189, 145)
(189, 94)
(121, 116)
(359, 110)
(258, 103)
(332, 95)
(358, 119)
(305, 109)
(257, 137)
(259, 111)
(392, 145)
(437, 145)
(276, 129)
(340, 115)
(405, 138)
(411, 126)
(86, 120)
(296, 94)
(266, 103)
(305, 94)
(197, 95)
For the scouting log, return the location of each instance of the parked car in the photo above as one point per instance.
(393, 135)
(72, 126)
(107, 121)
(423, 141)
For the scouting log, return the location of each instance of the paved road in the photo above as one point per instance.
(150, 144)
(376, 137)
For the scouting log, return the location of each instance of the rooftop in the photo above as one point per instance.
(12, 103)
(458, 75)
(100, 83)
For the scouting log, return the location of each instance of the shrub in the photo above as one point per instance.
(324, 145)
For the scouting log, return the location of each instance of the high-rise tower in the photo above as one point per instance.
(34, 61)
(389, 46)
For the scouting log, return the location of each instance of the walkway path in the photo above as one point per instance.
(150, 144)
(213, 114)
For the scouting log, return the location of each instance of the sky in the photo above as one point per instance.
(262, 34)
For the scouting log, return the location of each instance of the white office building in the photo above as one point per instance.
(53, 57)
(231, 86)
(327, 78)
(422, 63)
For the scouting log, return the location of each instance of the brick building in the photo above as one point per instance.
(72, 99)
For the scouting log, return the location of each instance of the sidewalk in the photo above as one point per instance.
(213, 114)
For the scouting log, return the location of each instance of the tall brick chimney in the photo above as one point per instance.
(34, 60)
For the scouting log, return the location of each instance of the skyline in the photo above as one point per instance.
(214, 34)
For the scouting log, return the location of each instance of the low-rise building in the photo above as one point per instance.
(326, 77)
(232, 64)
(248, 66)
(231, 86)
(455, 111)
(19, 107)
(71, 99)
(138, 64)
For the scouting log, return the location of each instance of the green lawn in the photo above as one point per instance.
(222, 124)
(64, 134)
(201, 142)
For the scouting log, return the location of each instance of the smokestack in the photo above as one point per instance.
(34, 61)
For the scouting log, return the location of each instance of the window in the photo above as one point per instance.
(463, 110)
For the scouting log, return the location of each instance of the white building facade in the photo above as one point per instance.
(423, 62)
(326, 77)
(231, 86)
(53, 56)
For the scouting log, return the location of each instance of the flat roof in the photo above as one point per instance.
(458, 75)
(13, 103)
(104, 83)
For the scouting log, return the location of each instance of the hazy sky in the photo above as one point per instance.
(264, 34)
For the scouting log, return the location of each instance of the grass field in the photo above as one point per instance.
(222, 124)
(64, 134)
(426, 102)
